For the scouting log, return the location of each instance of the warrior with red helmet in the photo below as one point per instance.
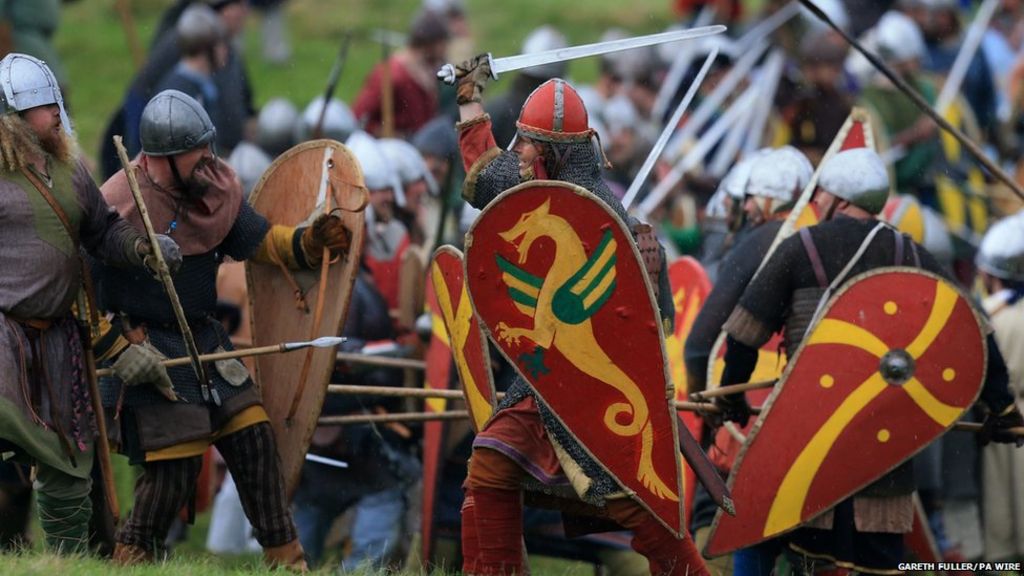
(524, 442)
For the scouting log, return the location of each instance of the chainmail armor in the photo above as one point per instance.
(209, 335)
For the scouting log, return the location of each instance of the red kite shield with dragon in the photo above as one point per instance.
(894, 361)
(557, 281)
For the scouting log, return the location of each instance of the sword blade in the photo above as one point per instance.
(673, 123)
(509, 63)
(704, 469)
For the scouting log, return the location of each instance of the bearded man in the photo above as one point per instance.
(166, 418)
(49, 209)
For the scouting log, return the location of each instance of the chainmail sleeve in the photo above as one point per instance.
(246, 235)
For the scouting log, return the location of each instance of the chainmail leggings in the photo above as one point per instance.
(165, 487)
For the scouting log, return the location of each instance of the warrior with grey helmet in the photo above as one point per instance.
(553, 140)
(767, 185)
(161, 419)
(203, 40)
(338, 121)
(234, 90)
(419, 189)
(1000, 262)
(50, 208)
(275, 126)
(387, 238)
(865, 532)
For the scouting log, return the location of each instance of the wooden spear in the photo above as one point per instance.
(459, 414)
(324, 342)
(385, 418)
(387, 361)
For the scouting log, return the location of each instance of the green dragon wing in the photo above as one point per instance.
(523, 287)
(590, 287)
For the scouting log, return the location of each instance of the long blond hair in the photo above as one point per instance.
(19, 145)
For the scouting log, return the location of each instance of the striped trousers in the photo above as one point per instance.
(165, 487)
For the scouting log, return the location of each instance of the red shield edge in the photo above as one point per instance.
(557, 282)
(289, 193)
(690, 288)
(439, 366)
(798, 462)
(467, 340)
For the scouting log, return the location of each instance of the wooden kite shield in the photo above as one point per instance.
(306, 181)
(894, 360)
(558, 283)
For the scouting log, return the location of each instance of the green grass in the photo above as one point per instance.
(94, 49)
(92, 43)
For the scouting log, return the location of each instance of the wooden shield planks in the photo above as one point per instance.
(894, 361)
(557, 281)
(296, 189)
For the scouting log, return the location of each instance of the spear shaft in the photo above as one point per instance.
(229, 354)
(165, 274)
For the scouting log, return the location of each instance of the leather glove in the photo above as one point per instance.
(168, 247)
(140, 364)
(329, 232)
(734, 408)
(996, 428)
(473, 75)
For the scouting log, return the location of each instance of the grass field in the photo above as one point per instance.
(93, 46)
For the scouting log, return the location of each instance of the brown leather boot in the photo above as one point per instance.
(290, 556)
(130, 555)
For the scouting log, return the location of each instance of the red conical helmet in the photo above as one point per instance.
(554, 112)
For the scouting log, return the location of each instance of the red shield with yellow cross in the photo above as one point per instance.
(895, 359)
(557, 281)
(465, 337)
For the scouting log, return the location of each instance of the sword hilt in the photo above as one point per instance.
(449, 75)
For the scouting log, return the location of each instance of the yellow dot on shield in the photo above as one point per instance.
(883, 435)
(890, 308)
(948, 374)
(827, 381)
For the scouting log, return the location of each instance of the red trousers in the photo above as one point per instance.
(492, 524)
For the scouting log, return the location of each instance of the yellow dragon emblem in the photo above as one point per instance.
(561, 305)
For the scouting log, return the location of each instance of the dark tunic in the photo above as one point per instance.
(149, 421)
(734, 273)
